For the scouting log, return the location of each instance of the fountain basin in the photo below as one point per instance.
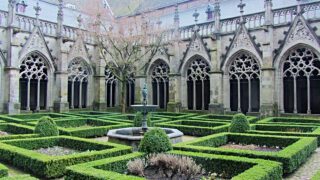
(132, 136)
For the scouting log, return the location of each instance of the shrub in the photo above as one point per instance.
(137, 122)
(155, 141)
(46, 127)
(239, 124)
(166, 166)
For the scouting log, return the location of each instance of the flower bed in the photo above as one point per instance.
(16, 131)
(21, 153)
(24, 118)
(91, 114)
(173, 116)
(196, 127)
(295, 150)
(234, 167)
(223, 118)
(290, 120)
(287, 130)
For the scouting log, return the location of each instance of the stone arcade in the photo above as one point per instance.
(266, 63)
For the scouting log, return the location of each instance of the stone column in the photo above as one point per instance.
(61, 103)
(100, 87)
(174, 104)
(268, 105)
(12, 71)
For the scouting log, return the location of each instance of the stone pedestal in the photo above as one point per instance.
(13, 103)
(216, 108)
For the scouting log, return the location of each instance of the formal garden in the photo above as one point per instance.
(76, 145)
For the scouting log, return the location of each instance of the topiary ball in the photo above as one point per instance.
(239, 124)
(155, 141)
(137, 122)
(46, 127)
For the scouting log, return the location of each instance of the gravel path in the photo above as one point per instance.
(308, 169)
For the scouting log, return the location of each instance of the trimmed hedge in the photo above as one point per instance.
(223, 118)
(290, 120)
(316, 176)
(173, 116)
(86, 127)
(130, 119)
(196, 127)
(17, 131)
(46, 127)
(296, 149)
(238, 168)
(22, 177)
(24, 118)
(286, 130)
(91, 114)
(155, 141)
(20, 153)
(239, 124)
(14, 128)
(3, 171)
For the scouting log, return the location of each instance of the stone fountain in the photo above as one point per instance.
(132, 136)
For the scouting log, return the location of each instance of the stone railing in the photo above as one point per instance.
(280, 16)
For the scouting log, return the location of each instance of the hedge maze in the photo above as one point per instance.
(273, 148)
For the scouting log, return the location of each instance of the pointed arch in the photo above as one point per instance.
(243, 70)
(197, 75)
(159, 72)
(36, 73)
(298, 73)
(79, 73)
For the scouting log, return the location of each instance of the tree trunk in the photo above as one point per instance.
(123, 96)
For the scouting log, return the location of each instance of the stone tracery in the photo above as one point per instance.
(160, 83)
(33, 82)
(198, 82)
(78, 74)
(244, 75)
(301, 74)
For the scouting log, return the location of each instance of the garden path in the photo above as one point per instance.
(308, 169)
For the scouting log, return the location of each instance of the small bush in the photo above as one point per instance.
(165, 166)
(137, 122)
(155, 141)
(46, 127)
(239, 124)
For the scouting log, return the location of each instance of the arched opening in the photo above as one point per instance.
(198, 84)
(33, 82)
(78, 76)
(111, 88)
(301, 81)
(244, 76)
(160, 84)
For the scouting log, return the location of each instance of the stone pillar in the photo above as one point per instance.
(100, 93)
(216, 99)
(12, 105)
(174, 104)
(268, 105)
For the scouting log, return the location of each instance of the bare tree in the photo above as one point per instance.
(124, 44)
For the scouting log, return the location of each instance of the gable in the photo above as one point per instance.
(241, 41)
(36, 42)
(78, 50)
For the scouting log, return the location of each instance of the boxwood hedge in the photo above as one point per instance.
(21, 153)
(316, 176)
(223, 118)
(24, 118)
(295, 152)
(237, 168)
(3, 171)
(290, 120)
(86, 127)
(286, 130)
(196, 127)
(16, 131)
(91, 114)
